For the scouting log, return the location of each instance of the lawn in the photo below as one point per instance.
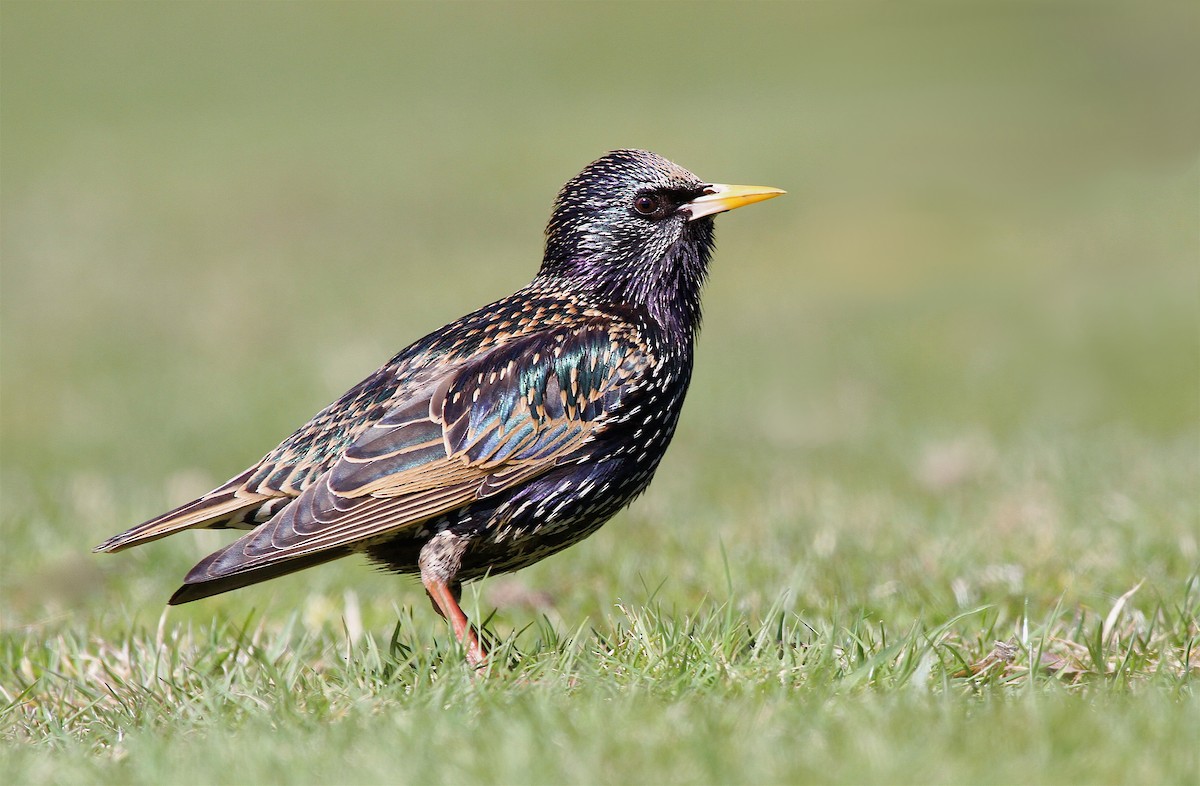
(933, 510)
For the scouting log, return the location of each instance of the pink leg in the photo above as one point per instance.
(445, 602)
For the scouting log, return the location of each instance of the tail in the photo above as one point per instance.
(201, 583)
(213, 509)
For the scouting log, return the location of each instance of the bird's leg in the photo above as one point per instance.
(440, 560)
(445, 597)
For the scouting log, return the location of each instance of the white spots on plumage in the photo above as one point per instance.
(614, 464)
(558, 508)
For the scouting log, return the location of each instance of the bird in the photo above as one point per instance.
(505, 436)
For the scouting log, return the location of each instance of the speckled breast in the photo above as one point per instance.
(565, 505)
(568, 504)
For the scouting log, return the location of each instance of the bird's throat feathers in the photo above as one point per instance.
(665, 280)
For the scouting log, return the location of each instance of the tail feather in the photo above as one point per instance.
(195, 588)
(216, 507)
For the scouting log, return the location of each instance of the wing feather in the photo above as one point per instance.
(489, 425)
(231, 500)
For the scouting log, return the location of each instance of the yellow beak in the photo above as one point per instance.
(719, 197)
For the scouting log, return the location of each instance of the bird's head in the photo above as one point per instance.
(635, 228)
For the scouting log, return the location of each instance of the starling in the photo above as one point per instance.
(507, 435)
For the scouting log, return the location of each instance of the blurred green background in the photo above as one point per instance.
(964, 348)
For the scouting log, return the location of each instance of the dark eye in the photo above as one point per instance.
(646, 204)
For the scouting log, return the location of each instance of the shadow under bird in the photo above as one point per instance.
(507, 435)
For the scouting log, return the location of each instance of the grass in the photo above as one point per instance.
(695, 696)
(932, 514)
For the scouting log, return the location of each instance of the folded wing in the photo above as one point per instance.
(485, 427)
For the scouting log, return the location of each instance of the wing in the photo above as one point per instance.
(224, 506)
(253, 496)
(486, 426)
